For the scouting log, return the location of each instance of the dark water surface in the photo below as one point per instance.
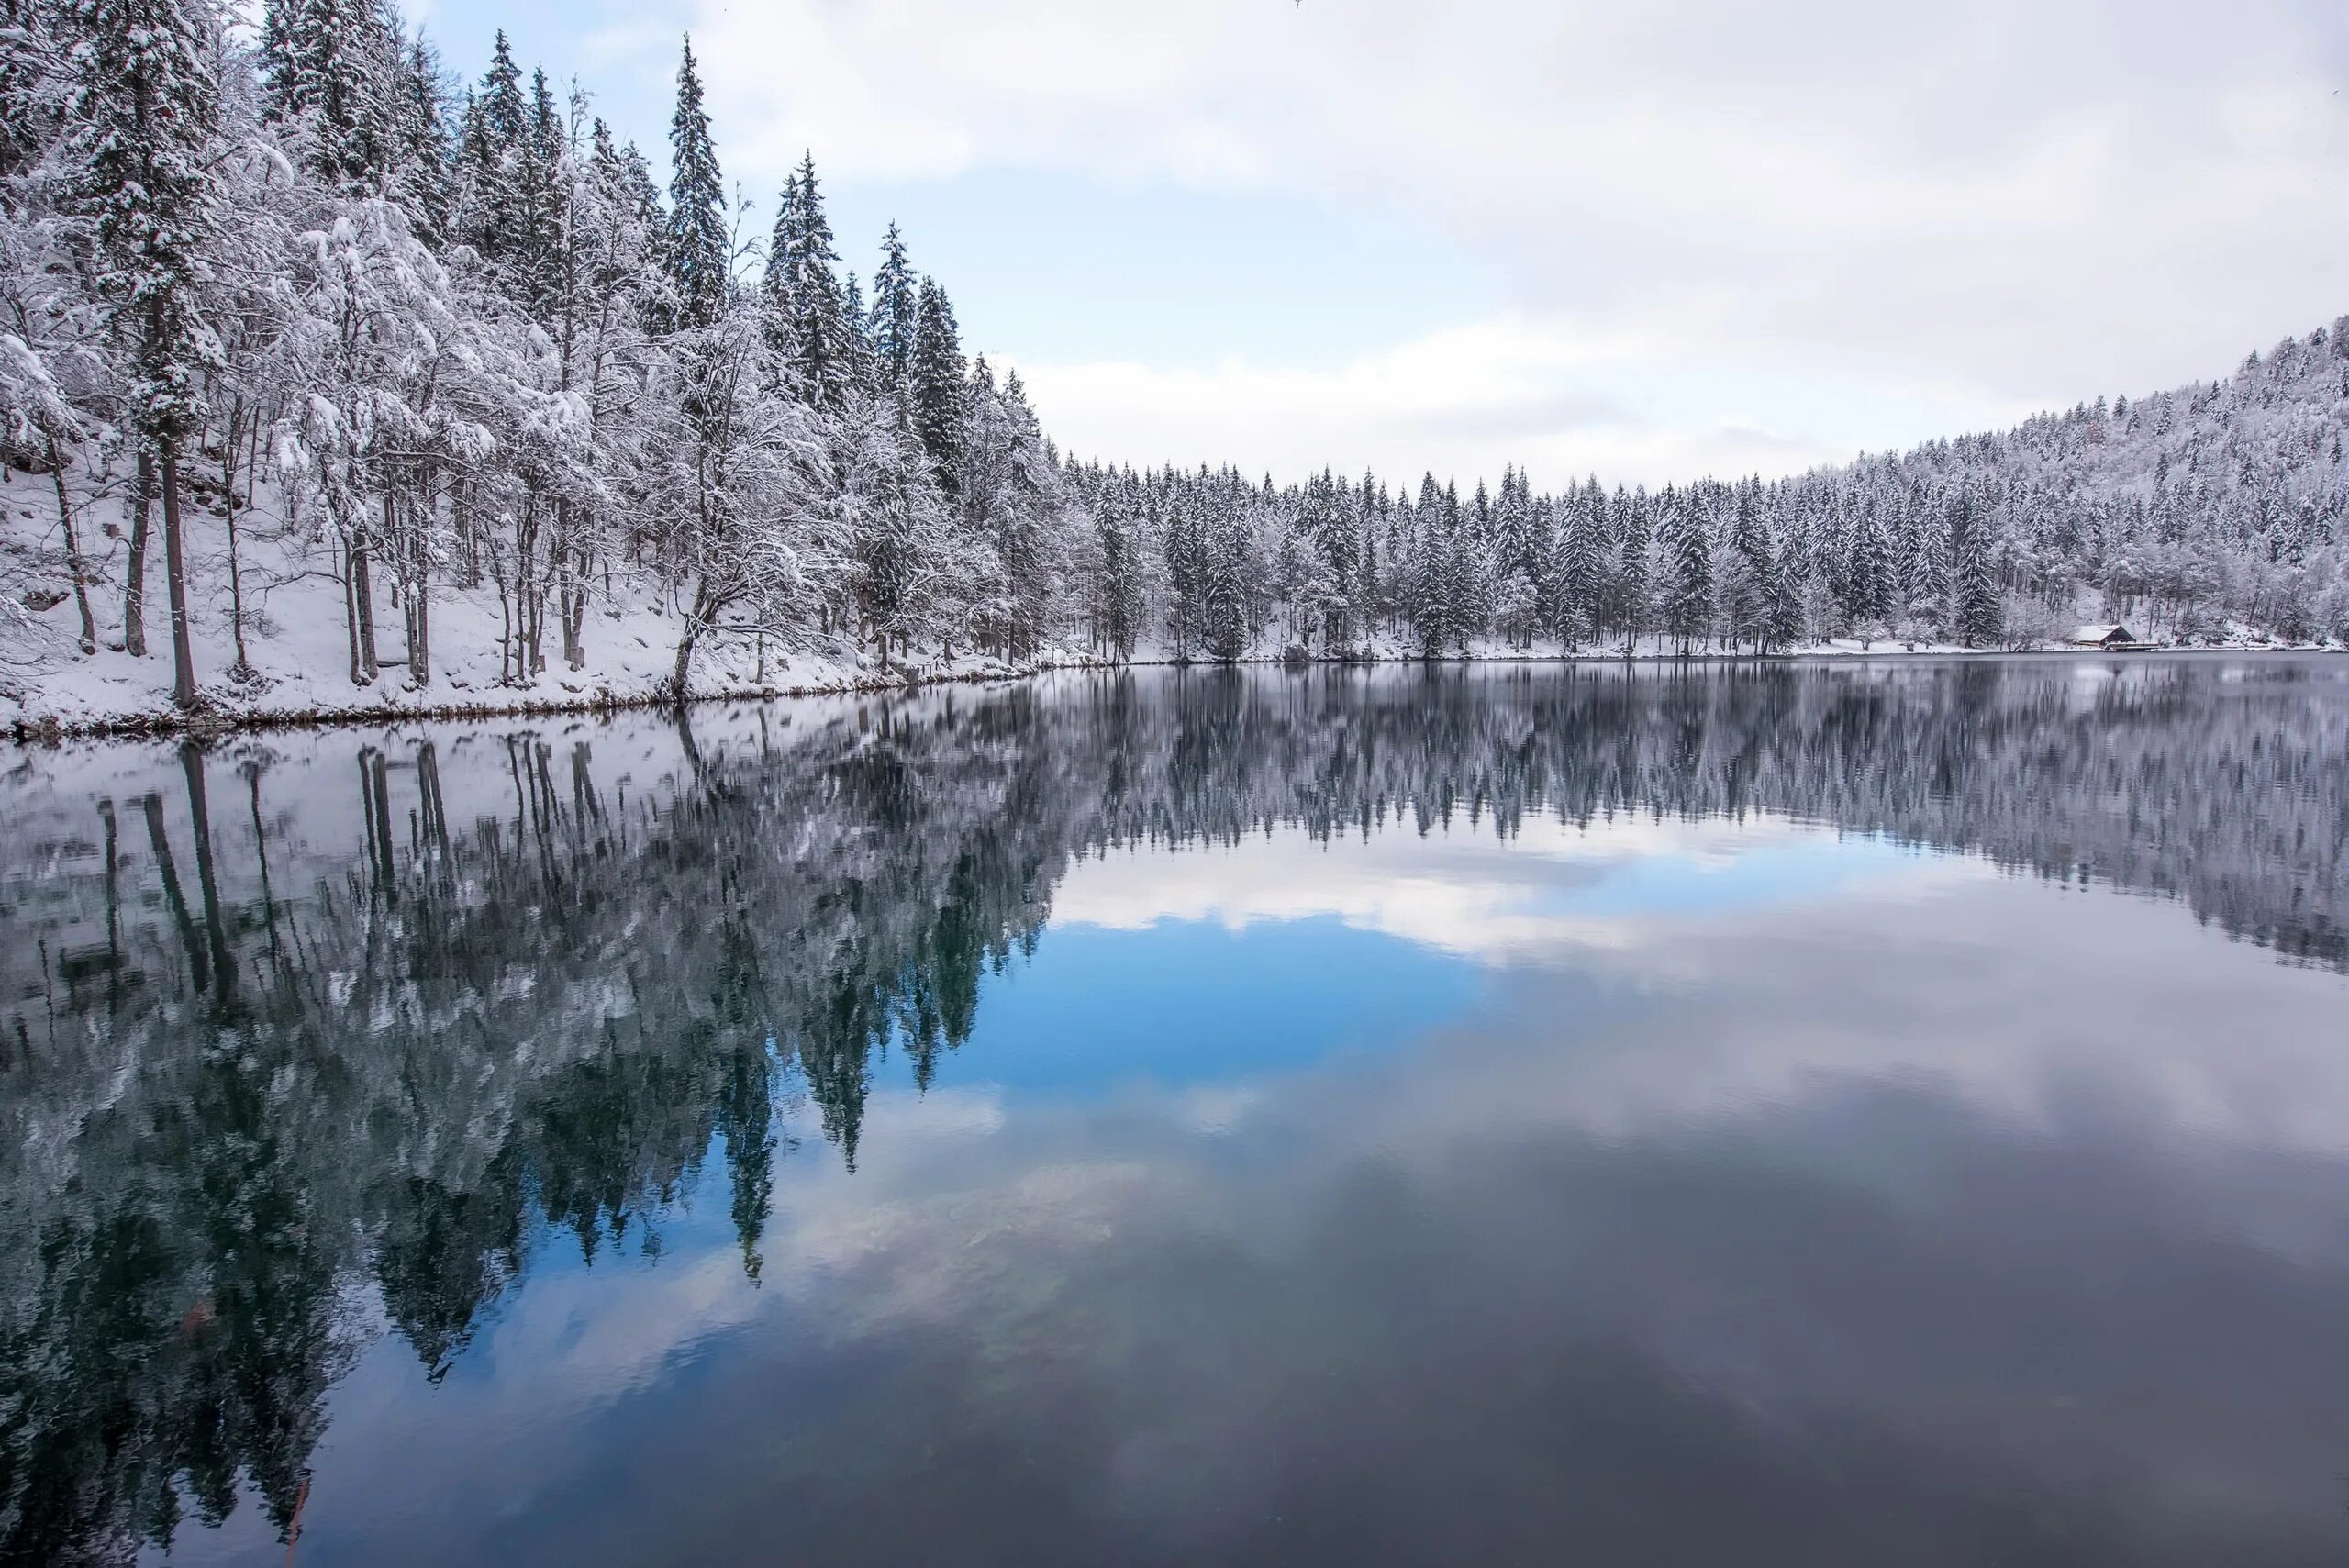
(1871, 1114)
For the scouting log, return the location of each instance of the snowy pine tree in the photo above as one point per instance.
(896, 319)
(1976, 615)
(144, 108)
(937, 381)
(1685, 590)
(698, 253)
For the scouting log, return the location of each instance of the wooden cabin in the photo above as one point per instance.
(2111, 635)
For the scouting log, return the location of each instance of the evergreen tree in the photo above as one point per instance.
(698, 252)
(1578, 576)
(863, 363)
(1867, 595)
(820, 329)
(145, 108)
(1976, 616)
(1685, 599)
(937, 382)
(779, 311)
(896, 323)
(275, 50)
(492, 132)
(421, 151)
(537, 189)
(1117, 594)
(1225, 628)
(1630, 589)
(325, 80)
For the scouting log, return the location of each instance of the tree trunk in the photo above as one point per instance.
(705, 609)
(362, 611)
(184, 694)
(574, 622)
(134, 580)
(229, 500)
(72, 549)
(253, 456)
(686, 640)
(358, 613)
(416, 606)
(570, 589)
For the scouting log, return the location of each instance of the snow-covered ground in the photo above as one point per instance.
(294, 636)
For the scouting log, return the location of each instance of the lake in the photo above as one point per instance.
(1868, 1113)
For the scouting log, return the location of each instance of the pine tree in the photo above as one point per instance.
(697, 252)
(863, 363)
(896, 322)
(1224, 607)
(1686, 600)
(332, 80)
(494, 128)
(1976, 615)
(1117, 594)
(1467, 596)
(1631, 590)
(536, 187)
(145, 108)
(1578, 576)
(1868, 595)
(820, 326)
(1428, 590)
(280, 19)
(1757, 605)
(422, 150)
(937, 382)
(779, 313)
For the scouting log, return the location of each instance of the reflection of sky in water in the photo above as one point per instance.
(1246, 970)
(1753, 876)
(1665, 1188)
(1186, 1002)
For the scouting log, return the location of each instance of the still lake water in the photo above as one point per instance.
(1869, 1114)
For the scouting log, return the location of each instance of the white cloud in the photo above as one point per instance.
(1462, 401)
(2022, 201)
(1550, 893)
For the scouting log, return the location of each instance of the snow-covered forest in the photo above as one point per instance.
(335, 376)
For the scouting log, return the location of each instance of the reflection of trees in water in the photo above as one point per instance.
(258, 1057)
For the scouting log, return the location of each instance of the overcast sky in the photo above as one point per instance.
(1651, 240)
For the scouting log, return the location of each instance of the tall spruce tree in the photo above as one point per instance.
(1631, 591)
(778, 316)
(1976, 616)
(146, 107)
(823, 358)
(422, 149)
(698, 252)
(1685, 598)
(1578, 576)
(1867, 577)
(495, 126)
(896, 322)
(938, 374)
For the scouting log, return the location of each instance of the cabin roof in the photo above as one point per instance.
(2103, 632)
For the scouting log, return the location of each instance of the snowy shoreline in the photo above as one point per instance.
(30, 728)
